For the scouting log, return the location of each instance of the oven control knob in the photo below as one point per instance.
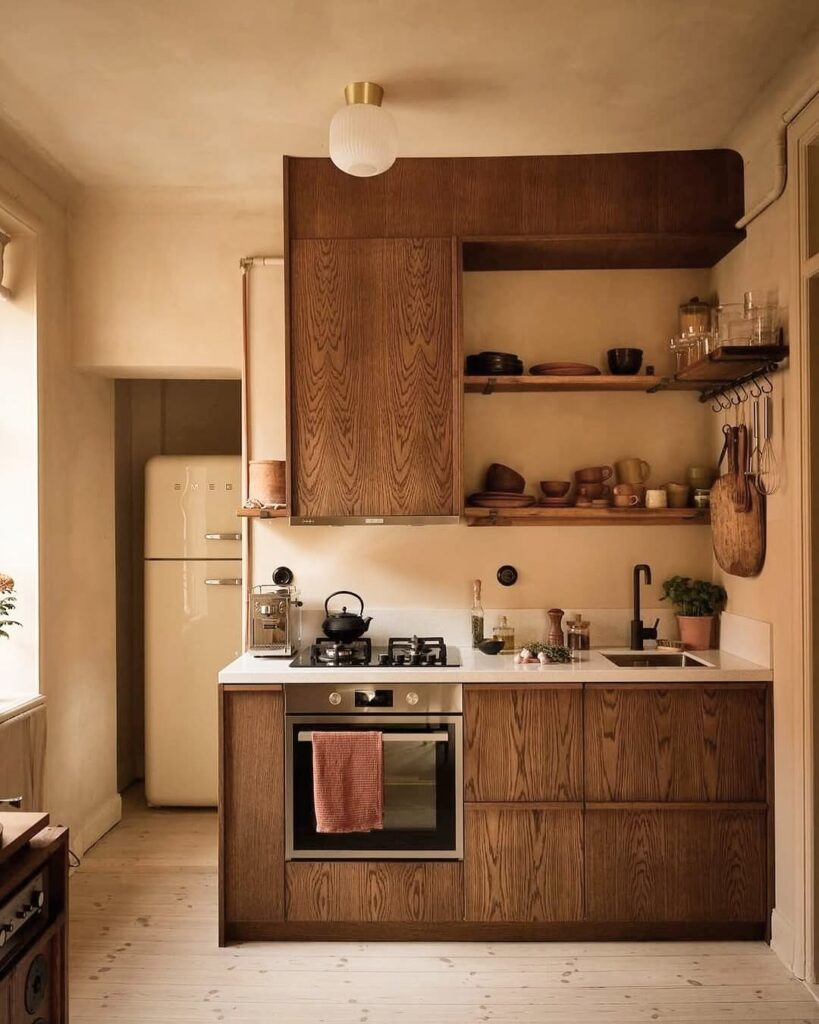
(37, 899)
(412, 698)
(335, 698)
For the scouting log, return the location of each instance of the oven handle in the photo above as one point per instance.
(393, 737)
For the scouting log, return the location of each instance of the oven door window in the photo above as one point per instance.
(419, 791)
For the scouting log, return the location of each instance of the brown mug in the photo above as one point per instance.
(632, 471)
(626, 501)
(638, 490)
(593, 491)
(593, 474)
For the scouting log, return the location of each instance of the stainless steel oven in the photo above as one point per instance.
(422, 729)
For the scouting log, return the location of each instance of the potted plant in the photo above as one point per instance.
(696, 602)
(8, 601)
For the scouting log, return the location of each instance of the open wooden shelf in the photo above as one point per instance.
(536, 515)
(731, 364)
(596, 382)
(263, 513)
(624, 251)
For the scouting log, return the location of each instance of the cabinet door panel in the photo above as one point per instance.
(251, 865)
(523, 864)
(374, 891)
(523, 744)
(672, 864)
(678, 744)
(373, 378)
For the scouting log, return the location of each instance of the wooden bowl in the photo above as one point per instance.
(504, 478)
(555, 488)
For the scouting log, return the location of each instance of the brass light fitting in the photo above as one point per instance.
(363, 92)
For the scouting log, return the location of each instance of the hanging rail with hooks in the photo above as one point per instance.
(731, 394)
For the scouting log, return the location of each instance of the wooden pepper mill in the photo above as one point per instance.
(555, 637)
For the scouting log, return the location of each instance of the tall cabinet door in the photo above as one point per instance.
(374, 377)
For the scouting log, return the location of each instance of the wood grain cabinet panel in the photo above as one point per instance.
(378, 891)
(676, 864)
(523, 864)
(523, 744)
(689, 743)
(251, 806)
(373, 378)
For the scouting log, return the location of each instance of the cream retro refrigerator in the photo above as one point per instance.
(193, 619)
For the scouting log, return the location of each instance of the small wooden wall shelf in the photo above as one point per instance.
(731, 364)
(263, 513)
(535, 515)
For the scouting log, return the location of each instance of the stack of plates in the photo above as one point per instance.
(500, 499)
(494, 364)
(564, 370)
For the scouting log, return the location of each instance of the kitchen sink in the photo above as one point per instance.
(653, 659)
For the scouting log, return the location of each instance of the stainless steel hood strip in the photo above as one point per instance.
(374, 520)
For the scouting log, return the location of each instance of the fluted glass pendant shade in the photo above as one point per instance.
(363, 137)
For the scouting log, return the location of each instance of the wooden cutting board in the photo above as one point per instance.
(739, 537)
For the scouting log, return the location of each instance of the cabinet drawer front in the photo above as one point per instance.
(374, 891)
(681, 744)
(676, 865)
(523, 864)
(523, 744)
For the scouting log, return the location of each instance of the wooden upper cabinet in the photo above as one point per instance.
(523, 744)
(374, 379)
(686, 191)
(678, 743)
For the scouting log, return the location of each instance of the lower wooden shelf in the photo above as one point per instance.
(535, 515)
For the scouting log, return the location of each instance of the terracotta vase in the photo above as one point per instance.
(696, 631)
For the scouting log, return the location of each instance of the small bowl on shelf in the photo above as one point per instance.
(504, 478)
(625, 362)
(490, 646)
(555, 488)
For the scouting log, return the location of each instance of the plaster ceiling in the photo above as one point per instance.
(209, 93)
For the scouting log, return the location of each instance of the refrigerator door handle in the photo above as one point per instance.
(223, 536)
(232, 581)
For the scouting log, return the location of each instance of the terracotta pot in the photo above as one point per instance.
(696, 631)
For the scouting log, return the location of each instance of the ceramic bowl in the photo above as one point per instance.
(490, 646)
(555, 488)
(625, 361)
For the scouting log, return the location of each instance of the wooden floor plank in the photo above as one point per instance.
(143, 949)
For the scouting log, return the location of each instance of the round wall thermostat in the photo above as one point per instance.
(507, 575)
(282, 576)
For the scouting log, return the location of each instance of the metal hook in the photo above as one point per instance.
(744, 396)
(756, 390)
(716, 405)
(769, 389)
(724, 401)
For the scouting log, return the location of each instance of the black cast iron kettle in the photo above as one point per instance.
(345, 626)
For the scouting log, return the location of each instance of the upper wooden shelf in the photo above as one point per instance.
(537, 515)
(531, 383)
(640, 251)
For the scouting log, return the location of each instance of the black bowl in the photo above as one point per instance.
(490, 646)
(623, 361)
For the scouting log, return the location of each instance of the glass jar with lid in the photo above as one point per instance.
(506, 634)
(578, 637)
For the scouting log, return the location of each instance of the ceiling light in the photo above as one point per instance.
(363, 138)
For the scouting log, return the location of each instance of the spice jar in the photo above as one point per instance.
(506, 634)
(578, 638)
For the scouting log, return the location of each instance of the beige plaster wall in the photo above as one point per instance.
(765, 264)
(76, 524)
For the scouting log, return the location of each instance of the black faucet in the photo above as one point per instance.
(639, 632)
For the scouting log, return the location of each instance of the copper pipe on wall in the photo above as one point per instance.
(245, 264)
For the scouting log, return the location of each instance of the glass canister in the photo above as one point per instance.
(506, 634)
(695, 316)
(578, 637)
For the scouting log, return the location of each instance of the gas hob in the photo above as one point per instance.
(400, 652)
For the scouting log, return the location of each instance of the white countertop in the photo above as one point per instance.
(13, 704)
(483, 668)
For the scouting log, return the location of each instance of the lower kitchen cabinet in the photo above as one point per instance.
(523, 863)
(672, 863)
(523, 743)
(251, 807)
(374, 891)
